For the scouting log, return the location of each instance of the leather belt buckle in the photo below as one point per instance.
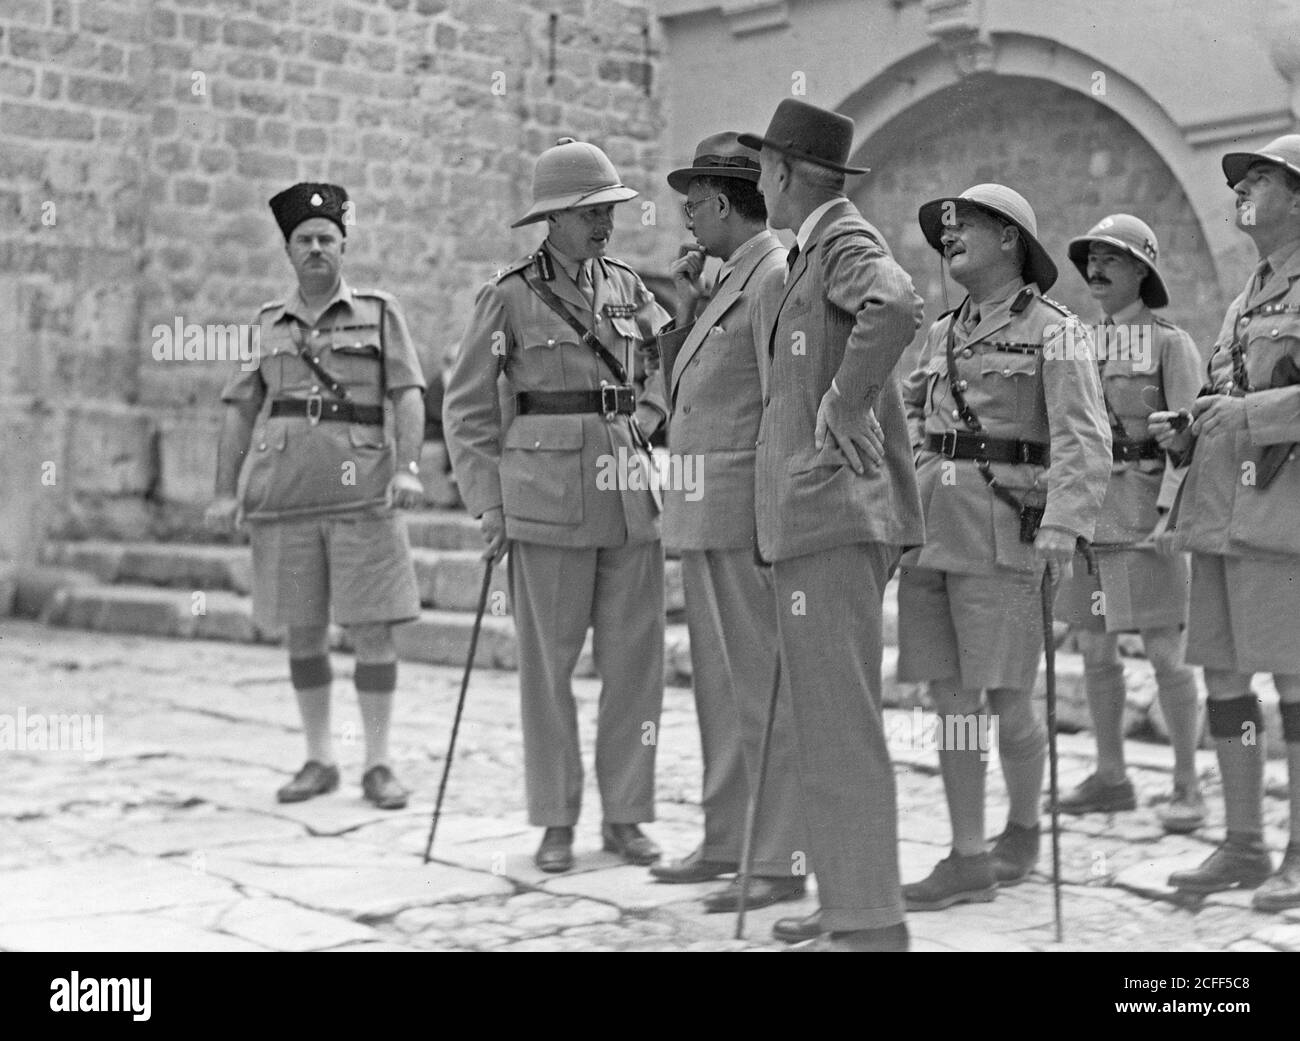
(608, 400)
(948, 444)
(315, 404)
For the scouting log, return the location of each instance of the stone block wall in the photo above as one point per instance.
(140, 140)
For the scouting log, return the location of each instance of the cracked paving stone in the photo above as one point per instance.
(1285, 937)
(284, 926)
(118, 932)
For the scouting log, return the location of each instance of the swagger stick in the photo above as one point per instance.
(1049, 650)
(460, 705)
(755, 797)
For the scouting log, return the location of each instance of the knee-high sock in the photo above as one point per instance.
(1106, 694)
(1237, 726)
(1176, 689)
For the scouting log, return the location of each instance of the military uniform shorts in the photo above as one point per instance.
(1143, 590)
(1243, 612)
(359, 566)
(983, 631)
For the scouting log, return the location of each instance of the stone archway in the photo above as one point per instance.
(1074, 159)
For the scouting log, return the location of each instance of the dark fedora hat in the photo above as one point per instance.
(804, 131)
(721, 155)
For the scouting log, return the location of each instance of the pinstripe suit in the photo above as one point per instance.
(846, 313)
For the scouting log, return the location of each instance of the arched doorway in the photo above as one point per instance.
(1074, 159)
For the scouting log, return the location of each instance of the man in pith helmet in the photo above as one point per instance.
(548, 414)
(1237, 516)
(1013, 456)
(1147, 364)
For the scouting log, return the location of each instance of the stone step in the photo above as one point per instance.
(177, 565)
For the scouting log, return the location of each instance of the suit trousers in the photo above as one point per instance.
(829, 617)
(732, 623)
(556, 593)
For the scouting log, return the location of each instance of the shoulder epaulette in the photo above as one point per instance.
(270, 305)
(1165, 322)
(377, 293)
(515, 268)
(1056, 305)
(620, 263)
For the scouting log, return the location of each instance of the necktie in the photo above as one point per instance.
(1261, 276)
(790, 258)
(585, 286)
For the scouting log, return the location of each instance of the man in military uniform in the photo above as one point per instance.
(1237, 516)
(1147, 364)
(320, 485)
(714, 363)
(1005, 384)
(559, 466)
(835, 500)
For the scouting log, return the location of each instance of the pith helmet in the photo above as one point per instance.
(1007, 204)
(1284, 151)
(1134, 237)
(571, 174)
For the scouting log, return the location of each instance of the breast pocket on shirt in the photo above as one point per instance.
(356, 363)
(1010, 385)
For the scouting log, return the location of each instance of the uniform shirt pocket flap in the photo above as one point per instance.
(1008, 363)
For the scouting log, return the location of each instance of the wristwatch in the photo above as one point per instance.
(413, 468)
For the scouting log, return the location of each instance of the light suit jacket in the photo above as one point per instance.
(846, 312)
(714, 371)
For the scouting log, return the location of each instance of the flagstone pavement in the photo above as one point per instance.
(166, 835)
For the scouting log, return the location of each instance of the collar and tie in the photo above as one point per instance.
(790, 258)
(585, 285)
(1262, 273)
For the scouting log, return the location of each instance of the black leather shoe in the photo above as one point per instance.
(380, 787)
(1281, 892)
(763, 892)
(954, 880)
(891, 938)
(313, 779)
(1229, 866)
(796, 930)
(1015, 853)
(693, 869)
(555, 854)
(1096, 796)
(627, 841)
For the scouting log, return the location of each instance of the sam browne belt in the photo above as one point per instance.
(608, 401)
(316, 408)
(956, 444)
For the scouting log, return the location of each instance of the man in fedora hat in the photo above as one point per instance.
(714, 363)
(1005, 386)
(1237, 517)
(836, 499)
(559, 466)
(320, 484)
(1147, 364)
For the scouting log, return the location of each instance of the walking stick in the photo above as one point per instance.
(1049, 649)
(460, 705)
(755, 797)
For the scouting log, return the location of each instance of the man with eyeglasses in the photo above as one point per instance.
(318, 488)
(548, 413)
(714, 365)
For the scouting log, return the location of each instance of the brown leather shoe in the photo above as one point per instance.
(891, 938)
(954, 880)
(1184, 813)
(313, 779)
(1015, 853)
(380, 787)
(694, 868)
(627, 841)
(1281, 892)
(763, 892)
(796, 930)
(556, 851)
(1229, 866)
